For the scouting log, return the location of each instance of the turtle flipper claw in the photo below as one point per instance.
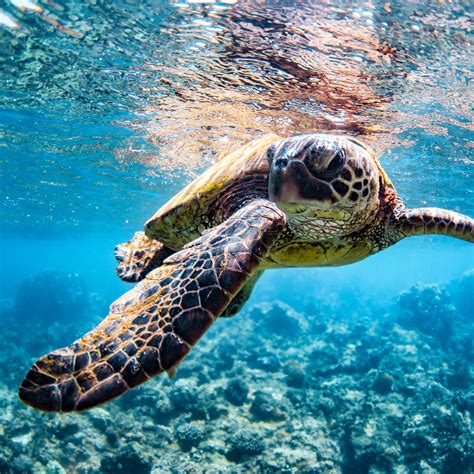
(139, 256)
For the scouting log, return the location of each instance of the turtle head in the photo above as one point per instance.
(328, 175)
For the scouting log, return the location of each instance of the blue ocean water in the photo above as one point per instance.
(108, 109)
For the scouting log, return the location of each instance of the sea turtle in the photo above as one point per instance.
(308, 200)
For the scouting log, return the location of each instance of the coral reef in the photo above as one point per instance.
(189, 436)
(428, 309)
(244, 444)
(236, 392)
(270, 390)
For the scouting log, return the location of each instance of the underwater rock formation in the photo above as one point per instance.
(461, 291)
(244, 444)
(383, 383)
(279, 319)
(266, 408)
(427, 308)
(266, 392)
(236, 391)
(189, 436)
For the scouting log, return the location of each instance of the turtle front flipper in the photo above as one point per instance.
(431, 220)
(152, 327)
(139, 256)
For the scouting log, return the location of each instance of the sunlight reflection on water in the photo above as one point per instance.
(170, 85)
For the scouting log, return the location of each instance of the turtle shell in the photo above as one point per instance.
(213, 196)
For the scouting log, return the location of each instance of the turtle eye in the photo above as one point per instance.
(325, 167)
(336, 163)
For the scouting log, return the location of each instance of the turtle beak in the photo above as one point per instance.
(291, 181)
(283, 180)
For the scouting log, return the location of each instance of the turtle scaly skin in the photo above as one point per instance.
(309, 200)
(431, 220)
(151, 328)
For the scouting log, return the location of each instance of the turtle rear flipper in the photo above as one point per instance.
(139, 256)
(152, 327)
(241, 297)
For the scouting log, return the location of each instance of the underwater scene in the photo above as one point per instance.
(332, 362)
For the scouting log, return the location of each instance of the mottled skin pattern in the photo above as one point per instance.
(310, 200)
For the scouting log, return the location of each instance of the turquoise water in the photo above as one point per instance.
(108, 109)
